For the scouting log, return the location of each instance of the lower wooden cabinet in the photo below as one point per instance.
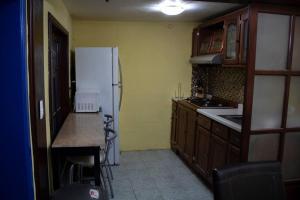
(203, 143)
(190, 135)
(174, 126)
(233, 154)
(218, 153)
(181, 128)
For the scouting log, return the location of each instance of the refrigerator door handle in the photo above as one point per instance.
(120, 84)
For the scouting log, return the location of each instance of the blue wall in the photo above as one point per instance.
(15, 165)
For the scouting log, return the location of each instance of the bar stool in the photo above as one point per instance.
(109, 120)
(88, 161)
(79, 192)
(108, 125)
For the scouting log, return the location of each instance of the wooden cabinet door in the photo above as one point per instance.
(200, 159)
(232, 40)
(233, 154)
(181, 128)
(218, 153)
(244, 35)
(173, 128)
(190, 135)
(195, 42)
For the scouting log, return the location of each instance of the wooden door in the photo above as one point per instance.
(59, 75)
(202, 140)
(190, 135)
(218, 153)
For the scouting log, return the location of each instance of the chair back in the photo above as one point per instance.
(249, 181)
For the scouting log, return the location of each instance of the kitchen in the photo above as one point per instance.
(213, 86)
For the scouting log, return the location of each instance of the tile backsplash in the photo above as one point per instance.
(226, 83)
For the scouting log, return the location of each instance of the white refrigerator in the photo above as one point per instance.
(98, 71)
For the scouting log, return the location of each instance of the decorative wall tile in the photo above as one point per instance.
(226, 83)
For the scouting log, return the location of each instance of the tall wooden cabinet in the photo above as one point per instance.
(263, 38)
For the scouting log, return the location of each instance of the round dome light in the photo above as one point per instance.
(172, 7)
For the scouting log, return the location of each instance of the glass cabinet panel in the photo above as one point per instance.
(267, 102)
(205, 45)
(258, 144)
(217, 43)
(296, 48)
(272, 41)
(231, 41)
(291, 156)
(293, 118)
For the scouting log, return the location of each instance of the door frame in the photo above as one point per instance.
(54, 23)
(37, 94)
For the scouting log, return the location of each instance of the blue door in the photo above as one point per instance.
(16, 177)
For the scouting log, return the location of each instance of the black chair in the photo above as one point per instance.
(249, 181)
(79, 192)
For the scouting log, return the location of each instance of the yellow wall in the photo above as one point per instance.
(154, 57)
(60, 12)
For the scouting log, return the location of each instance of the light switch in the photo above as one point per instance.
(41, 109)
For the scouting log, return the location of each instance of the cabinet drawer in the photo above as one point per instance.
(204, 121)
(220, 130)
(235, 138)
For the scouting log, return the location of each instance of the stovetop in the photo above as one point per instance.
(205, 103)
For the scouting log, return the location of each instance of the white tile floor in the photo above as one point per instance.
(156, 175)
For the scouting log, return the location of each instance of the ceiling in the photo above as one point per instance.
(142, 10)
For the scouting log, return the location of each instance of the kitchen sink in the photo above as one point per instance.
(234, 118)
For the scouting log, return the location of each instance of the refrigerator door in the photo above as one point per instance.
(94, 74)
(114, 157)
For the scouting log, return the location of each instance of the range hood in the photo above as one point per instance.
(207, 59)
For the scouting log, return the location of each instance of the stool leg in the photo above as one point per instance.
(71, 174)
(80, 174)
(103, 183)
(111, 174)
(109, 182)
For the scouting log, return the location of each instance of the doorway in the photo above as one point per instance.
(58, 75)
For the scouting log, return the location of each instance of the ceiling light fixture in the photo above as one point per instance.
(172, 7)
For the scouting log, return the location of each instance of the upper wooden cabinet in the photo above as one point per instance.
(227, 35)
(236, 32)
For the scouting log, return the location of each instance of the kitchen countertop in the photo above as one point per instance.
(178, 98)
(214, 112)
